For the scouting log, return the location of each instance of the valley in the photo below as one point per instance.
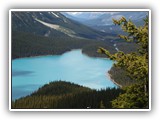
(56, 60)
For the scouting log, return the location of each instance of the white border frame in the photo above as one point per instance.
(80, 10)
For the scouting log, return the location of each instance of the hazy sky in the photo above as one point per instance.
(78, 13)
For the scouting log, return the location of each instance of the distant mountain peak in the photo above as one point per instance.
(103, 20)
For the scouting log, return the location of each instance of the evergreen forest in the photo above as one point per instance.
(130, 71)
(66, 95)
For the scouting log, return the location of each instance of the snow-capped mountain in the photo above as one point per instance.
(83, 15)
(103, 20)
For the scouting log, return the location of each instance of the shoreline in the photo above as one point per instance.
(34, 56)
(44, 55)
(109, 76)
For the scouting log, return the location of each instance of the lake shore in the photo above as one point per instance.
(110, 77)
(35, 56)
(72, 66)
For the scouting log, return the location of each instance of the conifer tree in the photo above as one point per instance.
(135, 64)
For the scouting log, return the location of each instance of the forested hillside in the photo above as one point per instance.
(27, 45)
(66, 95)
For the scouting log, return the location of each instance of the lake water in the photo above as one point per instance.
(28, 74)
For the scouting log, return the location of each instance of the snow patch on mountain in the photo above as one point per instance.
(55, 14)
(48, 24)
(47, 34)
(58, 28)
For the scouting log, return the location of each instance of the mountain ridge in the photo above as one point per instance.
(103, 21)
(52, 24)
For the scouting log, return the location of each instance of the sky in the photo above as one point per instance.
(78, 13)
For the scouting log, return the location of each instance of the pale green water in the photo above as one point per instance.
(28, 74)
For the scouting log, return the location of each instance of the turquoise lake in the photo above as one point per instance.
(28, 74)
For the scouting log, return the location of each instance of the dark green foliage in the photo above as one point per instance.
(27, 44)
(66, 95)
(135, 96)
(134, 65)
(60, 88)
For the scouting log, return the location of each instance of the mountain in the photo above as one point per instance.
(51, 24)
(51, 33)
(106, 19)
(82, 16)
(103, 20)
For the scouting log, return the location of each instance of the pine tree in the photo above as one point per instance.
(135, 64)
